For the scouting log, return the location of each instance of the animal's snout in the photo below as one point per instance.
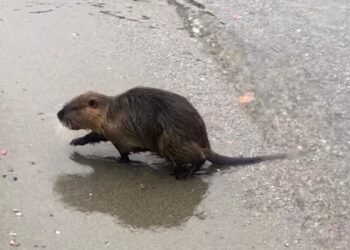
(60, 114)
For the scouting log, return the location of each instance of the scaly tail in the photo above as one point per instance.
(226, 160)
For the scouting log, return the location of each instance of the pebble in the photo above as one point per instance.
(18, 213)
(14, 243)
(57, 232)
(12, 233)
(15, 178)
(196, 30)
(297, 241)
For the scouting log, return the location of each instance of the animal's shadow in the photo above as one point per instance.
(136, 196)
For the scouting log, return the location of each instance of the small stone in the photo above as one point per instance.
(57, 232)
(106, 243)
(51, 215)
(14, 243)
(36, 246)
(196, 21)
(18, 213)
(297, 241)
(286, 244)
(12, 233)
(15, 178)
(195, 30)
(4, 152)
(201, 215)
(90, 194)
(10, 169)
(32, 162)
(4, 176)
(142, 186)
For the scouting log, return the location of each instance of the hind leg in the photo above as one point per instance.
(188, 170)
(186, 156)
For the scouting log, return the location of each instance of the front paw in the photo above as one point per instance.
(77, 142)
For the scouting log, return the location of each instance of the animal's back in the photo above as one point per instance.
(156, 114)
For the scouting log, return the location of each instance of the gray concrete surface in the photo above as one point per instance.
(293, 55)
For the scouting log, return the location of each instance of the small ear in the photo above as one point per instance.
(93, 103)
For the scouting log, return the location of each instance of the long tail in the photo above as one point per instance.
(226, 160)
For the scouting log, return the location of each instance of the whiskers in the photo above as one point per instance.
(63, 131)
(48, 115)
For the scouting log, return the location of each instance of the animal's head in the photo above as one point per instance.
(85, 111)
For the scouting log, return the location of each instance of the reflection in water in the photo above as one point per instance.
(137, 196)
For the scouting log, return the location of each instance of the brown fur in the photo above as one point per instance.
(147, 119)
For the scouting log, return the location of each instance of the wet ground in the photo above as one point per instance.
(294, 57)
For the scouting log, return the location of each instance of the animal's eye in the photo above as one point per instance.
(92, 103)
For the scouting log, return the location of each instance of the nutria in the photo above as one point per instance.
(148, 119)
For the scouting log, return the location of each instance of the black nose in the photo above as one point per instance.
(60, 114)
